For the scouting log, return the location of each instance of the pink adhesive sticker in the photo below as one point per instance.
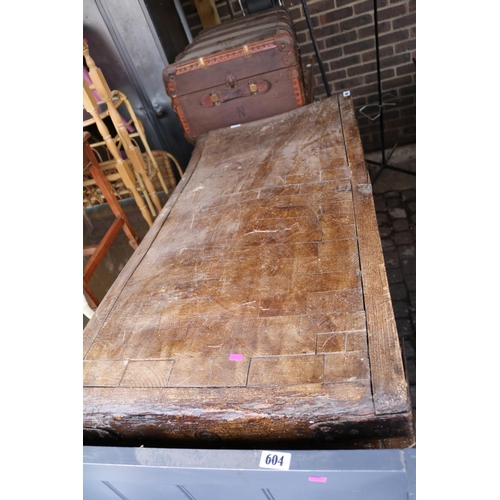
(235, 357)
(316, 479)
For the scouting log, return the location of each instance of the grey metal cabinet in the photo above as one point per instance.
(195, 474)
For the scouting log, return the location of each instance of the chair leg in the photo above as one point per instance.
(142, 135)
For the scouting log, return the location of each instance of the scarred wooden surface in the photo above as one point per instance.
(256, 310)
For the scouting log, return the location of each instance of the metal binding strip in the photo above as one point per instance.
(227, 56)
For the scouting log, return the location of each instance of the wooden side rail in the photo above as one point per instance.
(121, 221)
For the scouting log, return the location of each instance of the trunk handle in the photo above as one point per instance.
(217, 98)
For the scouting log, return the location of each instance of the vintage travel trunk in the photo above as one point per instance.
(237, 72)
(256, 311)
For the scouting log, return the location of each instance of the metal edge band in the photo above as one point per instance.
(182, 117)
(210, 61)
(297, 92)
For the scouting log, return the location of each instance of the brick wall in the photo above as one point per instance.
(345, 34)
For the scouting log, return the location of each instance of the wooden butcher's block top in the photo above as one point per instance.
(256, 310)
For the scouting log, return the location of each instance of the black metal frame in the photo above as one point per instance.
(384, 163)
(316, 50)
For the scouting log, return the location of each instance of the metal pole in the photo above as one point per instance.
(315, 45)
(183, 19)
(242, 9)
(382, 142)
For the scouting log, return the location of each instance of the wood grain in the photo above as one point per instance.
(208, 13)
(105, 307)
(390, 390)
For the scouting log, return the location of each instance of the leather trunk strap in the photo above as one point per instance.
(217, 98)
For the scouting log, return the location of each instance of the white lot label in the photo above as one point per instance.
(275, 460)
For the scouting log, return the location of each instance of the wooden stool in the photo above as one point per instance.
(98, 252)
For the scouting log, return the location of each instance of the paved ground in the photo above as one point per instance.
(396, 215)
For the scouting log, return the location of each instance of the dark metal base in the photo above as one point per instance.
(384, 165)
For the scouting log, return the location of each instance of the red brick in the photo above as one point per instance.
(362, 46)
(385, 74)
(302, 38)
(383, 52)
(391, 12)
(366, 6)
(349, 84)
(296, 13)
(367, 89)
(319, 91)
(341, 3)
(336, 75)
(337, 40)
(317, 71)
(362, 69)
(396, 60)
(403, 22)
(332, 54)
(346, 61)
(320, 6)
(306, 49)
(369, 31)
(356, 21)
(407, 46)
(339, 14)
(302, 24)
(328, 30)
(407, 68)
(395, 36)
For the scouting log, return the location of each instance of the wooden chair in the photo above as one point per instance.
(112, 100)
(96, 145)
(121, 221)
(136, 130)
(163, 161)
(126, 174)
